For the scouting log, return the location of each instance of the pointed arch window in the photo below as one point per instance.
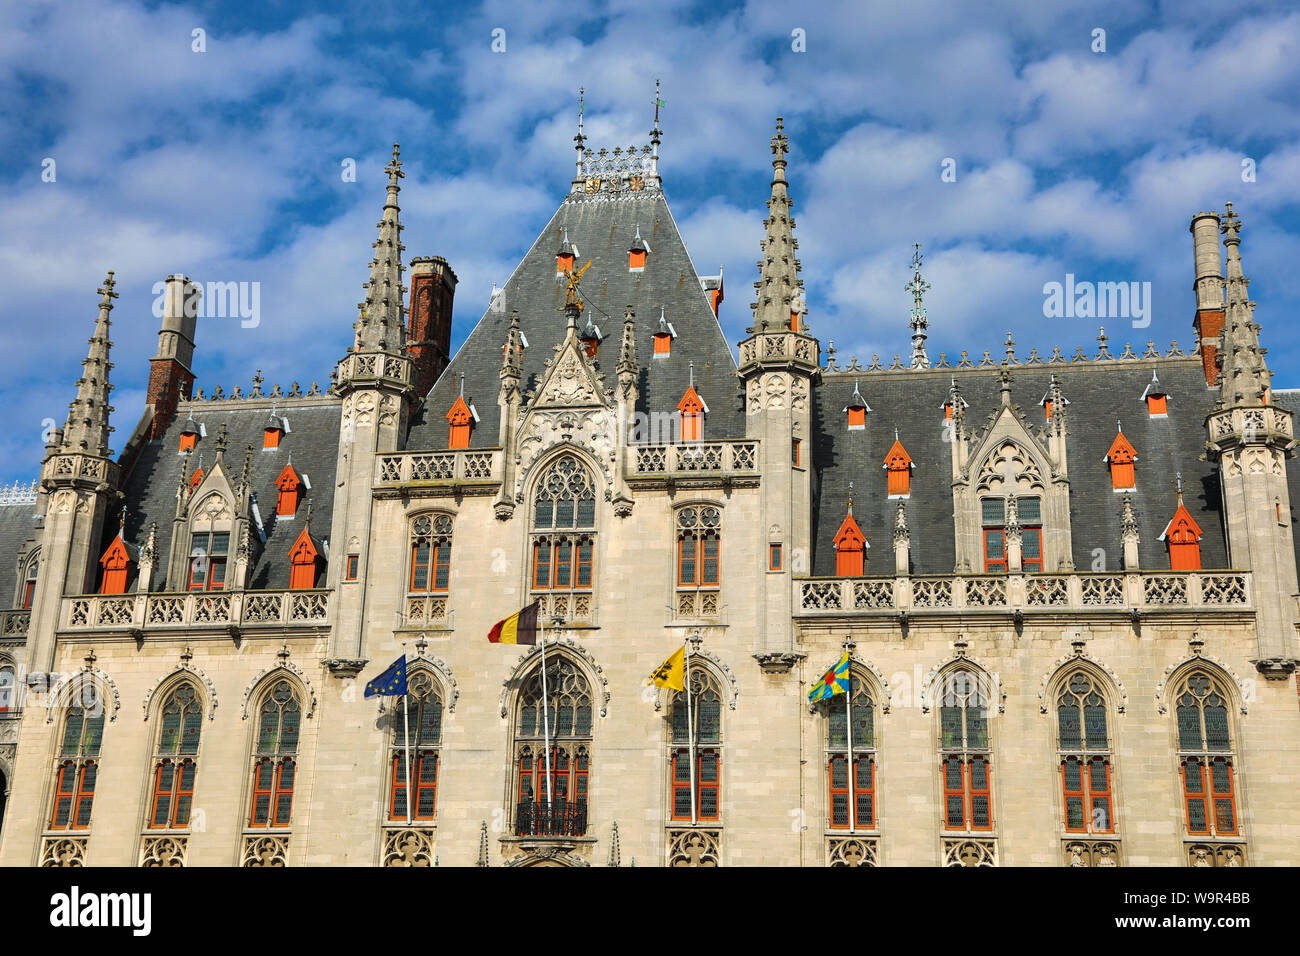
(552, 782)
(430, 553)
(851, 784)
(175, 762)
(29, 581)
(275, 753)
(1207, 762)
(705, 720)
(77, 765)
(424, 724)
(993, 515)
(1085, 755)
(965, 755)
(8, 686)
(564, 522)
(699, 536)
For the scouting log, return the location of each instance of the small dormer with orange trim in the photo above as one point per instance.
(1156, 397)
(590, 338)
(1183, 537)
(850, 547)
(637, 252)
(693, 410)
(1120, 458)
(898, 468)
(460, 418)
(191, 432)
(305, 561)
(277, 426)
(712, 286)
(1048, 404)
(947, 406)
(565, 256)
(664, 337)
(856, 410)
(196, 479)
(290, 488)
(117, 562)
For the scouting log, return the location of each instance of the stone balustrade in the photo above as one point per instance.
(113, 612)
(692, 458)
(1142, 591)
(14, 623)
(448, 467)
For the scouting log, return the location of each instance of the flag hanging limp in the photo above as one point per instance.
(834, 681)
(518, 628)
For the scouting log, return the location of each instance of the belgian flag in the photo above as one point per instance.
(518, 628)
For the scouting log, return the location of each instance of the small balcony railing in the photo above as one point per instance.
(162, 611)
(541, 818)
(446, 467)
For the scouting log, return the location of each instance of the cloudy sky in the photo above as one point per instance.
(226, 164)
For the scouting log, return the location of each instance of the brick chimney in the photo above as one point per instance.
(433, 287)
(1209, 291)
(170, 378)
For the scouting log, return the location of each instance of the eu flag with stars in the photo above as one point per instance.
(391, 683)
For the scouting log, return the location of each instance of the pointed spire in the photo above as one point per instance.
(1128, 518)
(900, 523)
(920, 322)
(1245, 378)
(87, 427)
(512, 357)
(380, 326)
(627, 363)
(779, 286)
(580, 141)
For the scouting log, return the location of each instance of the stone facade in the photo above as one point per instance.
(243, 704)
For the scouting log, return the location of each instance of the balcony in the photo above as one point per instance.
(556, 819)
(448, 468)
(693, 459)
(219, 609)
(15, 623)
(1144, 592)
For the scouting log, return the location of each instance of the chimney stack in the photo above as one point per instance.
(1209, 291)
(170, 377)
(433, 288)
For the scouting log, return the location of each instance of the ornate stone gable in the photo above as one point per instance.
(1008, 447)
(570, 382)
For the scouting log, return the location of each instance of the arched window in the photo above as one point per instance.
(430, 553)
(274, 757)
(552, 784)
(1205, 755)
(423, 722)
(8, 686)
(862, 784)
(176, 758)
(699, 565)
(965, 755)
(564, 515)
(77, 765)
(209, 552)
(29, 581)
(1084, 747)
(705, 719)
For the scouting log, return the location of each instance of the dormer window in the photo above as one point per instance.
(590, 339)
(898, 467)
(564, 258)
(289, 486)
(712, 286)
(1183, 537)
(460, 418)
(276, 428)
(692, 409)
(208, 554)
(196, 479)
(305, 562)
(1120, 458)
(856, 410)
(664, 337)
(850, 548)
(191, 432)
(1157, 398)
(116, 562)
(637, 252)
(1049, 405)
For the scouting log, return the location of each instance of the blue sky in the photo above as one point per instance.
(225, 164)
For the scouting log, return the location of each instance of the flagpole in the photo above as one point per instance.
(546, 717)
(690, 725)
(406, 728)
(853, 797)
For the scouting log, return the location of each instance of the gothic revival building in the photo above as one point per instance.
(1065, 585)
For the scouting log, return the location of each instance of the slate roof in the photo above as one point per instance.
(313, 441)
(17, 523)
(603, 230)
(1099, 393)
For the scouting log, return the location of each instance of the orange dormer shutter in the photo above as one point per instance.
(116, 563)
(303, 558)
(692, 409)
(849, 545)
(1183, 536)
(1157, 405)
(1047, 408)
(1120, 458)
(857, 417)
(636, 259)
(289, 485)
(460, 417)
(663, 343)
(196, 479)
(715, 299)
(271, 438)
(187, 441)
(898, 465)
(564, 262)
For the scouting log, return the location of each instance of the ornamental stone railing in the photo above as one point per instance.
(1142, 591)
(1253, 422)
(692, 458)
(198, 609)
(14, 623)
(771, 346)
(447, 467)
